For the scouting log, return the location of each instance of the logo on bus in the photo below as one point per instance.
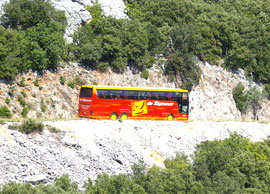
(157, 103)
(139, 108)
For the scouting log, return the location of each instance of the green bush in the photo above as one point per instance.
(30, 126)
(22, 101)
(240, 97)
(5, 112)
(36, 83)
(62, 80)
(7, 100)
(24, 94)
(22, 82)
(71, 84)
(43, 105)
(32, 37)
(145, 74)
(25, 111)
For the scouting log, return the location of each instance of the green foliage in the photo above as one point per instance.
(24, 94)
(7, 100)
(32, 37)
(5, 112)
(62, 80)
(30, 126)
(71, 84)
(22, 82)
(96, 13)
(240, 97)
(250, 99)
(254, 99)
(22, 101)
(24, 14)
(25, 111)
(183, 67)
(36, 83)
(9, 54)
(267, 90)
(145, 74)
(43, 105)
(62, 185)
(211, 30)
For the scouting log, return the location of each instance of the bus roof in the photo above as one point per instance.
(135, 88)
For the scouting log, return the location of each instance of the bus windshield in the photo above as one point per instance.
(86, 92)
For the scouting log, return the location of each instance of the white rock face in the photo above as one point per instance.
(85, 148)
(212, 98)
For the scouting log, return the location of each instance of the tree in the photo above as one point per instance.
(254, 99)
(240, 97)
(23, 14)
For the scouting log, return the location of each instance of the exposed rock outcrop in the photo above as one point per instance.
(85, 148)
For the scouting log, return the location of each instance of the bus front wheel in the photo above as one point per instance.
(124, 116)
(170, 117)
(113, 116)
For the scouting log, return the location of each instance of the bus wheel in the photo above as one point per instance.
(124, 116)
(170, 117)
(113, 116)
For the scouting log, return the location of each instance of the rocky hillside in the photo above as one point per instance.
(85, 148)
(55, 94)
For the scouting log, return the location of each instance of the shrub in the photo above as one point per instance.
(36, 83)
(22, 83)
(62, 80)
(145, 74)
(7, 100)
(71, 84)
(43, 105)
(30, 126)
(25, 111)
(21, 101)
(24, 94)
(5, 112)
(240, 97)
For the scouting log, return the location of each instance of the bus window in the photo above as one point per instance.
(116, 94)
(154, 96)
(130, 94)
(143, 95)
(86, 92)
(176, 96)
(103, 94)
(185, 97)
(162, 96)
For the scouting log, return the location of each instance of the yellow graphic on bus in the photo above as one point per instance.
(139, 108)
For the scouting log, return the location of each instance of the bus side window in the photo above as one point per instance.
(162, 96)
(142, 95)
(101, 94)
(154, 95)
(169, 95)
(131, 94)
(176, 96)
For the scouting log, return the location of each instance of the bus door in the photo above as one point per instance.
(85, 101)
(185, 104)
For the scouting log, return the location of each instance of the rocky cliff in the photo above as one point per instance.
(85, 148)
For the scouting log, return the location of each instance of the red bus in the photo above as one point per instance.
(108, 102)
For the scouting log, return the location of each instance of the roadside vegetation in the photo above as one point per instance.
(249, 99)
(234, 165)
(180, 31)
